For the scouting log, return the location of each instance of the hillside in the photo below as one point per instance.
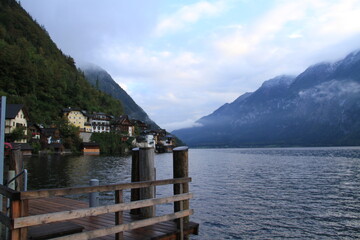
(319, 107)
(35, 72)
(102, 80)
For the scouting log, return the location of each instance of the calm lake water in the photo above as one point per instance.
(298, 193)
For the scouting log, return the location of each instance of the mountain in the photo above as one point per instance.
(34, 72)
(319, 107)
(102, 80)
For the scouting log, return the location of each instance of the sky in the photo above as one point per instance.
(181, 60)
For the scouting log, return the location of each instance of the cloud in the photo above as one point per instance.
(295, 35)
(183, 124)
(316, 22)
(327, 91)
(182, 62)
(186, 15)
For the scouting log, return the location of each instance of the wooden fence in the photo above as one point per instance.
(18, 220)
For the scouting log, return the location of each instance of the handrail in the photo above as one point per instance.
(102, 188)
(19, 221)
(126, 227)
(94, 211)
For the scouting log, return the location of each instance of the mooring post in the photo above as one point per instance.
(135, 193)
(181, 170)
(16, 164)
(147, 173)
(94, 196)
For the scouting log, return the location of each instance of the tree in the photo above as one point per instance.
(17, 134)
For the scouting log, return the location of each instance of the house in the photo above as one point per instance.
(25, 148)
(100, 122)
(34, 130)
(123, 125)
(90, 148)
(78, 118)
(49, 137)
(165, 144)
(139, 124)
(145, 141)
(16, 116)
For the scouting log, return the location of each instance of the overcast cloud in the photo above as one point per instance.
(180, 60)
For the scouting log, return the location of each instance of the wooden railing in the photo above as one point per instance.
(18, 220)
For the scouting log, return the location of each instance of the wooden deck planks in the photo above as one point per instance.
(165, 230)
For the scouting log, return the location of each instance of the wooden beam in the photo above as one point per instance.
(126, 227)
(9, 193)
(103, 188)
(119, 215)
(87, 212)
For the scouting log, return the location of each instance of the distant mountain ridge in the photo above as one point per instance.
(98, 77)
(319, 107)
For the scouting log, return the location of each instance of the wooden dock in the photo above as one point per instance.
(48, 214)
(33, 209)
(165, 230)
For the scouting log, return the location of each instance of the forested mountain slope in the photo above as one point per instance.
(33, 71)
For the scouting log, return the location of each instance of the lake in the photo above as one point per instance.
(275, 193)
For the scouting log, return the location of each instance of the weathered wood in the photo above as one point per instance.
(53, 230)
(9, 193)
(180, 221)
(135, 192)
(126, 227)
(15, 213)
(159, 231)
(24, 213)
(16, 164)
(147, 173)
(87, 212)
(119, 215)
(181, 170)
(103, 188)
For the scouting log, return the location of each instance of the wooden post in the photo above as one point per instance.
(15, 213)
(19, 208)
(16, 164)
(135, 193)
(24, 213)
(147, 173)
(119, 215)
(181, 170)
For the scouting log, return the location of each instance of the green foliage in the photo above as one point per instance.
(69, 134)
(36, 146)
(111, 143)
(17, 134)
(33, 71)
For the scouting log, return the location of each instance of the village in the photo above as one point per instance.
(32, 137)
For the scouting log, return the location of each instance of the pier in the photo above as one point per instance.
(47, 214)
